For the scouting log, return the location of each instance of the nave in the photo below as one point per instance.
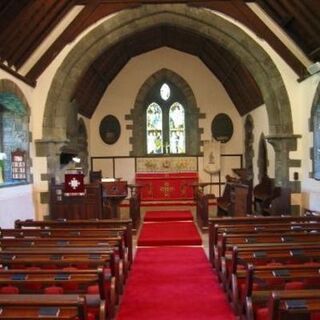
(260, 268)
(171, 277)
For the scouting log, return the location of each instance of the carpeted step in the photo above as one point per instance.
(168, 215)
(169, 233)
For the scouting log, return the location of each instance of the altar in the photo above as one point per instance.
(166, 178)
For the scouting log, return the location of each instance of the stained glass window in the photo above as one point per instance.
(165, 121)
(154, 129)
(177, 128)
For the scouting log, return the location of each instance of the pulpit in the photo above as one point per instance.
(114, 192)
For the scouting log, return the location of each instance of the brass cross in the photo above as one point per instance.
(166, 189)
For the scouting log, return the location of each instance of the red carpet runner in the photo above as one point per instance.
(169, 233)
(173, 283)
(177, 215)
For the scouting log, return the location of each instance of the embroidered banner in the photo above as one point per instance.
(211, 156)
(74, 185)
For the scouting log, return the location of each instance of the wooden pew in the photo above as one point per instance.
(102, 223)
(228, 241)
(237, 196)
(284, 305)
(74, 281)
(241, 258)
(202, 203)
(270, 199)
(254, 279)
(216, 224)
(134, 205)
(288, 229)
(67, 238)
(64, 257)
(28, 307)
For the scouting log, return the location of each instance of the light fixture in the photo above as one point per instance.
(76, 159)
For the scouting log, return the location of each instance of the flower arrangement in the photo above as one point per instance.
(3, 157)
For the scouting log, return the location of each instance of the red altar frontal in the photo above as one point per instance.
(167, 186)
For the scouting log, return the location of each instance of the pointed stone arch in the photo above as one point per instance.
(138, 113)
(198, 20)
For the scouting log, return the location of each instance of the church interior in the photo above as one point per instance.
(158, 147)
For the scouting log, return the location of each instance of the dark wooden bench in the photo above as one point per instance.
(56, 258)
(283, 305)
(37, 306)
(266, 224)
(102, 223)
(93, 281)
(243, 240)
(39, 238)
(243, 230)
(268, 278)
(202, 199)
(242, 257)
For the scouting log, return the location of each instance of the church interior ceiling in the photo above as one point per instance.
(25, 25)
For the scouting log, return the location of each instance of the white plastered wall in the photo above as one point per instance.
(120, 96)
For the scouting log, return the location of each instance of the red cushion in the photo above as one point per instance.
(262, 314)
(53, 290)
(94, 311)
(93, 289)
(33, 268)
(294, 285)
(50, 267)
(315, 315)
(274, 264)
(9, 290)
(90, 316)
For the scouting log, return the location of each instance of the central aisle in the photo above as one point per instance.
(173, 283)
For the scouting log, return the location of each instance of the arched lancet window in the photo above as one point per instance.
(165, 121)
(154, 129)
(177, 128)
(316, 142)
(14, 136)
(172, 94)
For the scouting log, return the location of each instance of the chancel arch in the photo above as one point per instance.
(195, 20)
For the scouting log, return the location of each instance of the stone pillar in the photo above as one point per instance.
(51, 149)
(282, 145)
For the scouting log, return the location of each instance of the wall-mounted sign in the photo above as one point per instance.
(18, 163)
(110, 129)
(222, 127)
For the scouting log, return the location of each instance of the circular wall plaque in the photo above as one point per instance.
(109, 129)
(222, 127)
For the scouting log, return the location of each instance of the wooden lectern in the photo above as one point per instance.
(113, 192)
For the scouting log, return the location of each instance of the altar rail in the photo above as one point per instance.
(125, 167)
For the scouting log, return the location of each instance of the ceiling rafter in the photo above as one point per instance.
(236, 79)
